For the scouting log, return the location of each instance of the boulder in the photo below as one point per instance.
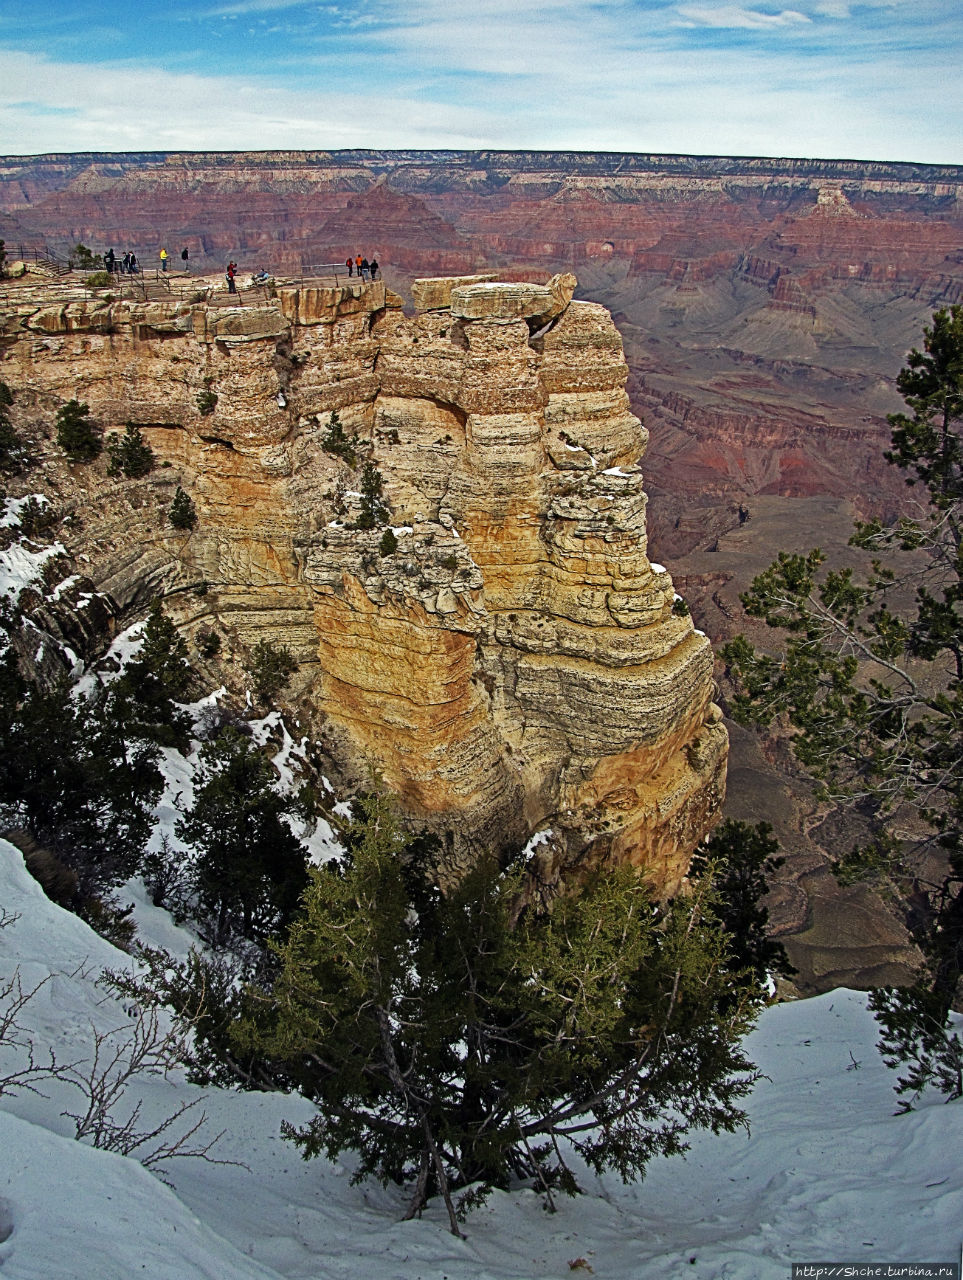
(503, 301)
(433, 293)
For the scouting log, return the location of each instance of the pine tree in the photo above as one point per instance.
(69, 774)
(873, 688)
(374, 510)
(182, 514)
(270, 668)
(10, 443)
(131, 455)
(249, 869)
(75, 432)
(159, 675)
(337, 442)
(742, 857)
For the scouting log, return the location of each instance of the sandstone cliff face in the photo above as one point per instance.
(818, 273)
(517, 662)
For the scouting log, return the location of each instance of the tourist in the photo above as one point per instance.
(125, 264)
(357, 263)
(374, 268)
(163, 259)
(184, 256)
(230, 274)
(349, 263)
(132, 265)
(109, 262)
(364, 268)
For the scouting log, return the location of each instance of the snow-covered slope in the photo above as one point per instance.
(828, 1172)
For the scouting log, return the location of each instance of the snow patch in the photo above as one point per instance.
(12, 507)
(64, 586)
(539, 838)
(21, 568)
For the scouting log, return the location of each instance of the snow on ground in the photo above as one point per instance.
(80, 1213)
(11, 509)
(828, 1172)
(20, 567)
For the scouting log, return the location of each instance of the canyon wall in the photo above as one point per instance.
(765, 304)
(515, 662)
(765, 307)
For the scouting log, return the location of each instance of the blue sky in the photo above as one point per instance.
(878, 79)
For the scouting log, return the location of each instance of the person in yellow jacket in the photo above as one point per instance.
(163, 258)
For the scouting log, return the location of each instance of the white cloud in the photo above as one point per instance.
(241, 8)
(127, 109)
(562, 77)
(735, 17)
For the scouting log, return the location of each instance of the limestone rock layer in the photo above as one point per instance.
(516, 662)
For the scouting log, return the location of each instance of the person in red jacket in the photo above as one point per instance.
(349, 263)
(231, 273)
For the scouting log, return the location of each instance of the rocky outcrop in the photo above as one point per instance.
(819, 270)
(509, 660)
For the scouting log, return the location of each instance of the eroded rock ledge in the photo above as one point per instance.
(517, 663)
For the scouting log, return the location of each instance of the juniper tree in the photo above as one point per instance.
(83, 257)
(872, 688)
(457, 1041)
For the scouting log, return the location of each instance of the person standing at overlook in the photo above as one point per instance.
(230, 274)
(349, 263)
(163, 259)
(184, 258)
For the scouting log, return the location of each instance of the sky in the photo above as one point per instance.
(834, 79)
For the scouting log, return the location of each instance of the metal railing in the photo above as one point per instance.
(150, 283)
(33, 253)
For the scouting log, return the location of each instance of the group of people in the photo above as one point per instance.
(125, 266)
(361, 267)
(185, 258)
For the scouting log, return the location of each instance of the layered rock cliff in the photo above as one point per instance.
(516, 662)
(765, 303)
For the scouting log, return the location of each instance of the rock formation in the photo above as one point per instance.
(765, 304)
(510, 661)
